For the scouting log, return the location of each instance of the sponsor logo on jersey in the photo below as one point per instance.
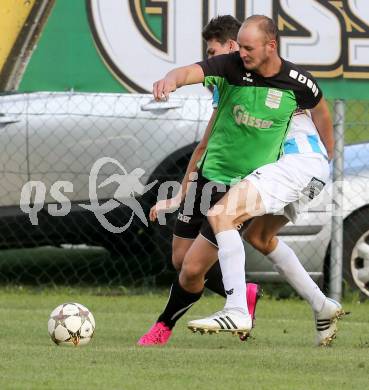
(273, 98)
(241, 116)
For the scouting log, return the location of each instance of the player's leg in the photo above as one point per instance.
(294, 179)
(160, 332)
(261, 234)
(198, 259)
(185, 232)
(253, 291)
(213, 277)
(240, 203)
(192, 277)
(188, 287)
(180, 247)
(188, 226)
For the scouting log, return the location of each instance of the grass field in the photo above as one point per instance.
(280, 356)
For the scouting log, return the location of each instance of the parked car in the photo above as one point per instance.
(52, 137)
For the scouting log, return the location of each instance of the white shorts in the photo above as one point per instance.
(293, 178)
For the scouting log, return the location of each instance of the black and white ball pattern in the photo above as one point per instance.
(71, 324)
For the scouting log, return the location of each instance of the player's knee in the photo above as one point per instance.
(258, 241)
(192, 272)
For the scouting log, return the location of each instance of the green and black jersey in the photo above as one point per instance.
(253, 114)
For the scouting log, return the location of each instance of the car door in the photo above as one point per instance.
(69, 133)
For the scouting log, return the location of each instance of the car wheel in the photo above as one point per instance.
(356, 250)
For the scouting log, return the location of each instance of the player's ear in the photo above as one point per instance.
(233, 46)
(272, 44)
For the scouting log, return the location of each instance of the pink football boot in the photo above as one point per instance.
(253, 293)
(158, 334)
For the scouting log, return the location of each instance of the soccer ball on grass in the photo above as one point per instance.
(71, 324)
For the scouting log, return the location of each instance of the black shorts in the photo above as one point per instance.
(191, 217)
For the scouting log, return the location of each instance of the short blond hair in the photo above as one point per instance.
(265, 25)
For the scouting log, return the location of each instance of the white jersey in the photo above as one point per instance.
(303, 137)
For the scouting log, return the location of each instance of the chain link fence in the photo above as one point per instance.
(349, 248)
(72, 166)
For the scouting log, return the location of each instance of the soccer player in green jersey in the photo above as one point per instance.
(257, 108)
(262, 91)
(220, 35)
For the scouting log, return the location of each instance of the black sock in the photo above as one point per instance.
(179, 302)
(214, 280)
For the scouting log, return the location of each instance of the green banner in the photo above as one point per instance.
(125, 45)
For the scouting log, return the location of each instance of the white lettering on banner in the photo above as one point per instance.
(239, 8)
(359, 47)
(321, 46)
(123, 36)
(259, 7)
(221, 7)
(328, 38)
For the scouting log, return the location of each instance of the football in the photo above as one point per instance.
(71, 324)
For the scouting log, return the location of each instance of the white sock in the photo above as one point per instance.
(232, 263)
(287, 264)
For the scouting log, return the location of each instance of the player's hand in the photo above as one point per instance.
(164, 205)
(162, 88)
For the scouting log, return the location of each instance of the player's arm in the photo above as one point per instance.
(323, 122)
(192, 74)
(176, 78)
(167, 204)
(312, 98)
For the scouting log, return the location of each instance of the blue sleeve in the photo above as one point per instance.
(215, 97)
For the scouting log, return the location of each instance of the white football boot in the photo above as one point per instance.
(326, 322)
(226, 320)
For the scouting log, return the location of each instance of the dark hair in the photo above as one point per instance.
(221, 28)
(265, 24)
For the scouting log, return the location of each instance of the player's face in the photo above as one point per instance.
(214, 47)
(254, 49)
